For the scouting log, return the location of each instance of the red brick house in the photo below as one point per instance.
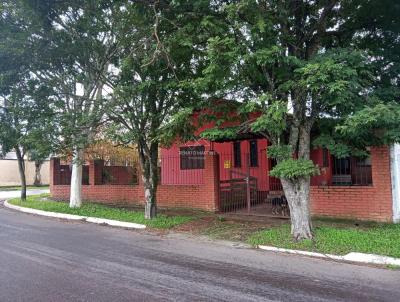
(233, 176)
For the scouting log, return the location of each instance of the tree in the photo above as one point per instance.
(378, 121)
(23, 109)
(42, 141)
(22, 125)
(297, 62)
(157, 64)
(76, 49)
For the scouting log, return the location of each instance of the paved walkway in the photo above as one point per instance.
(14, 194)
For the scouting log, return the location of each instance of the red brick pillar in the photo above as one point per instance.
(54, 171)
(211, 180)
(96, 172)
(381, 180)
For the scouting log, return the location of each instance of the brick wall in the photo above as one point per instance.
(204, 196)
(356, 202)
(359, 202)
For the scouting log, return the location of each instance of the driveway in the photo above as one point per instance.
(43, 259)
(17, 193)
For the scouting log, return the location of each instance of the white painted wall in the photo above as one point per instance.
(395, 171)
(9, 175)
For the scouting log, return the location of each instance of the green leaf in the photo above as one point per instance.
(280, 152)
(294, 169)
(273, 120)
(215, 134)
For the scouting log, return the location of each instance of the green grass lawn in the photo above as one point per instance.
(17, 188)
(337, 238)
(101, 211)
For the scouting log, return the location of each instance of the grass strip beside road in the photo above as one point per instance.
(100, 211)
(18, 188)
(381, 239)
(331, 236)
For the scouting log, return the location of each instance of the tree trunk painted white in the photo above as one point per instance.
(298, 195)
(150, 210)
(297, 191)
(75, 199)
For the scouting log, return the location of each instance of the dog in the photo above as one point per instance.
(280, 206)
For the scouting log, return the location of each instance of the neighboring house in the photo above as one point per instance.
(233, 176)
(9, 174)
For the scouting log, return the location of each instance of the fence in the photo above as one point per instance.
(245, 185)
(222, 186)
(120, 175)
(203, 195)
(351, 171)
(182, 170)
(105, 175)
(65, 175)
(255, 165)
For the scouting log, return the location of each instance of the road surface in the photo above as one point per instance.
(44, 259)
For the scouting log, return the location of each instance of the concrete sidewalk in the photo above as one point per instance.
(14, 194)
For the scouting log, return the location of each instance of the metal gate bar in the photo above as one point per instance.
(249, 190)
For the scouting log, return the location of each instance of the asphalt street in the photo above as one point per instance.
(44, 259)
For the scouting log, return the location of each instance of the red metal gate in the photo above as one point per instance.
(246, 188)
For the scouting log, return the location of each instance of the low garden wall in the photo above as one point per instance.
(359, 202)
(354, 202)
(202, 196)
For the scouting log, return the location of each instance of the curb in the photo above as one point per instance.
(352, 257)
(116, 223)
